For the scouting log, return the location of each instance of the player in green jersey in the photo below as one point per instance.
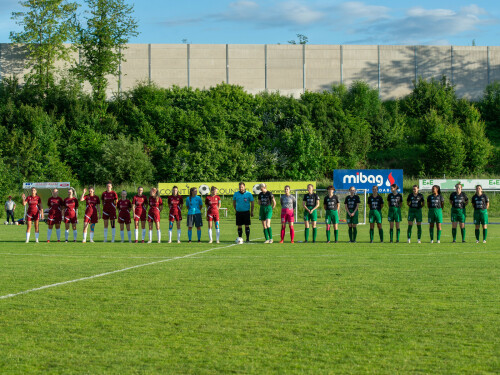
(331, 205)
(458, 201)
(267, 203)
(435, 203)
(310, 204)
(376, 202)
(481, 203)
(415, 202)
(352, 203)
(395, 201)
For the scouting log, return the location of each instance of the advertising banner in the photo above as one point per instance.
(229, 188)
(449, 183)
(46, 185)
(343, 179)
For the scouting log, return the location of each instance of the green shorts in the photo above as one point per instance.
(332, 217)
(375, 217)
(415, 214)
(394, 214)
(435, 215)
(352, 220)
(481, 217)
(311, 216)
(265, 212)
(457, 214)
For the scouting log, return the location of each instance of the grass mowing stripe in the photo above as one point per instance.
(110, 273)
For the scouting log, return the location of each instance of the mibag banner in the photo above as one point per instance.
(343, 179)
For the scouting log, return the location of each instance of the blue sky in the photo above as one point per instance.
(441, 22)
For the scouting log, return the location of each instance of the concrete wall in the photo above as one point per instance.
(291, 69)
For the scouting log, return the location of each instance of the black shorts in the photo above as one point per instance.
(194, 220)
(243, 218)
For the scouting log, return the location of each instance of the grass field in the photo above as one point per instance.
(251, 308)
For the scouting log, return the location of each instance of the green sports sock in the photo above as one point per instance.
(328, 235)
(270, 233)
(476, 232)
(315, 233)
(265, 234)
(371, 234)
(431, 232)
(381, 234)
(350, 234)
(307, 234)
(398, 233)
(354, 233)
(336, 234)
(454, 233)
(463, 233)
(391, 234)
(419, 231)
(410, 227)
(439, 235)
(485, 233)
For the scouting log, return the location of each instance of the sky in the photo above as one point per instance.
(387, 22)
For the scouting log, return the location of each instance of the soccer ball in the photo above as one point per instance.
(5, 222)
(239, 241)
(17, 223)
(204, 190)
(256, 189)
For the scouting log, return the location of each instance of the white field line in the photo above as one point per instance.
(111, 272)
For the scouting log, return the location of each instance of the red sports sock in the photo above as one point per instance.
(292, 233)
(283, 232)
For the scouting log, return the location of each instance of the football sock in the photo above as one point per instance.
(49, 234)
(431, 233)
(439, 234)
(336, 234)
(354, 233)
(476, 232)
(129, 235)
(454, 233)
(283, 232)
(37, 235)
(409, 231)
(210, 234)
(27, 236)
(391, 234)
(190, 234)
(105, 234)
(136, 233)
(151, 235)
(58, 234)
(178, 234)
(217, 233)
(398, 233)
(266, 235)
(270, 231)
(462, 230)
(247, 233)
(371, 234)
(122, 235)
(75, 232)
(113, 232)
(158, 233)
(328, 232)
(485, 233)
(292, 233)
(307, 234)
(381, 234)
(85, 236)
(92, 235)
(315, 233)
(350, 234)
(240, 232)
(198, 232)
(419, 231)
(170, 235)
(66, 234)
(143, 234)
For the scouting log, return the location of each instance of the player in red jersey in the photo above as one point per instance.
(213, 203)
(175, 203)
(155, 207)
(91, 212)
(35, 209)
(70, 207)
(139, 208)
(109, 200)
(55, 204)
(124, 207)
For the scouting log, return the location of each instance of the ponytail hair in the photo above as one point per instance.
(191, 192)
(438, 189)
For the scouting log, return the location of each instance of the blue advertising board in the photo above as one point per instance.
(343, 179)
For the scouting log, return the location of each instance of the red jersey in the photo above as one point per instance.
(71, 204)
(213, 204)
(154, 204)
(92, 201)
(55, 205)
(175, 203)
(124, 206)
(109, 198)
(34, 203)
(140, 202)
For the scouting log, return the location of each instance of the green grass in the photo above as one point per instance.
(252, 308)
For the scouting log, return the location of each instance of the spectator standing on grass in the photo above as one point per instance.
(10, 207)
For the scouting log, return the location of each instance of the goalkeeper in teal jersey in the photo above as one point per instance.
(458, 201)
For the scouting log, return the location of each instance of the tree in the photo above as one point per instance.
(302, 39)
(109, 25)
(47, 25)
